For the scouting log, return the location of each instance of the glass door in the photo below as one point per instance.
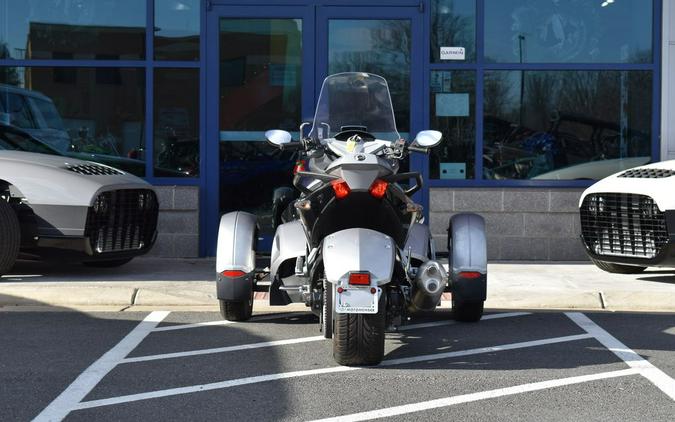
(381, 40)
(262, 70)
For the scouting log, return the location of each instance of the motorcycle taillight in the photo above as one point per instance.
(341, 188)
(379, 188)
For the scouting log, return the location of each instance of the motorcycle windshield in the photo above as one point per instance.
(354, 100)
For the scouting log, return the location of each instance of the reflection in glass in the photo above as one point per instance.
(565, 124)
(177, 29)
(176, 122)
(568, 31)
(260, 89)
(453, 24)
(381, 47)
(83, 116)
(453, 113)
(75, 29)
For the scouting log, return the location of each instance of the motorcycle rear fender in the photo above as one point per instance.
(359, 250)
(236, 252)
(467, 247)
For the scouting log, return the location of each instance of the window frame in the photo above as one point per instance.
(480, 66)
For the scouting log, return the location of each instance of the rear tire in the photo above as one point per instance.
(327, 310)
(236, 311)
(617, 268)
(467, 311)
(358, 339)
(107, 264)
(10, 237)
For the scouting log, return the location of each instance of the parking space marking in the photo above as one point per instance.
(334, 369)
(288, 341)
(223, 349)
(222, 322)
(452, 322)
(471, 397)
(656, 376)
(87, 380)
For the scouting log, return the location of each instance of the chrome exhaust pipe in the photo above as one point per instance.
(428, 286)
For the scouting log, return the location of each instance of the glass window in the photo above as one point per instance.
(568, 31)
(177, 29)
(453, 113)
(453, 26)
(378, 46)
(176, 121)
(73, 29)
(580, 125)
(82, 117)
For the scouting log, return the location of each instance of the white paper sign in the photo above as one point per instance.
(452, 53)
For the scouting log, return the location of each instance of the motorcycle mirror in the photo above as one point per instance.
(428, 138)
(278, 137)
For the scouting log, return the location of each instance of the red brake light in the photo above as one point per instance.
(359, 279)
(299, 166)
(378, 188)
(233, 273)
(470, 274)
(341, 188)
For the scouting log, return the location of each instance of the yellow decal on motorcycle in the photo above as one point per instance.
(351, 144)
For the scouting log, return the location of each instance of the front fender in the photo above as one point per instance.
(359, 250)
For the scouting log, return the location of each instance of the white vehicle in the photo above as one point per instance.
(628, 219)
(63, 208)
(356, 251)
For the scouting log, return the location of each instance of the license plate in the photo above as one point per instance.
(356, 301)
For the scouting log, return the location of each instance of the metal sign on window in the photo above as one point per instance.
(453, 53)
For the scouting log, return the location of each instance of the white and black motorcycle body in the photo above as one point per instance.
(356, 250)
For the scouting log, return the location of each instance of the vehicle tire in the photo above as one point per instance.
(358, 339)
(10, 237)
(467, 311)
(617, 268)
(107, 264)
(236, 311)
(327, 310)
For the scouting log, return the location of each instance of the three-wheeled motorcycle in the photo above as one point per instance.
(352, 244)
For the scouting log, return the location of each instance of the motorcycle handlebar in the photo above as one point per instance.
(291, 146)
(418, 149)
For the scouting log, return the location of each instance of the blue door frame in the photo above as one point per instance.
(314, 69)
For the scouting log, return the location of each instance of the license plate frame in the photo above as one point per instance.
(355, 300)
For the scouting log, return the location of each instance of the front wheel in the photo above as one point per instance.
(467, 311)
(236, 311)
(358, 339)
(10, 237)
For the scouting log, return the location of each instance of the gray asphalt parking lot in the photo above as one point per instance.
(179, 365)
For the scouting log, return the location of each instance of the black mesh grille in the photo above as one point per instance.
(647, 173)
(122, 220)
(93, 170)
(622, 224)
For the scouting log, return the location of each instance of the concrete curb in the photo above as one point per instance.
(152, 283)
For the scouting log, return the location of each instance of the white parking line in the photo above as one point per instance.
(296, 374)
(483, 395)
(451, 322)
(223, 349)
(223, 322)
(656, 376)
(284, 342)
(71, 396)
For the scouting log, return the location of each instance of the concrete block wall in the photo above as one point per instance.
(178, 222)
(522, 224)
